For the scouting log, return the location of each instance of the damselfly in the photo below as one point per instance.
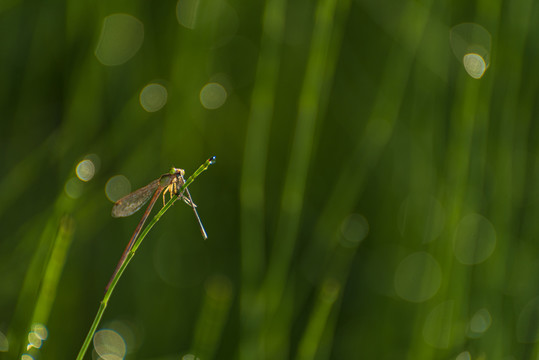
(170, 183)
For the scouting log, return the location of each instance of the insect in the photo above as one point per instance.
(170, 183)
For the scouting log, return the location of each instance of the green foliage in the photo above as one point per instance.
(370, 198)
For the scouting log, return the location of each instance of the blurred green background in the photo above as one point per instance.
(370, 198)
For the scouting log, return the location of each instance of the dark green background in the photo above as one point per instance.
(335, 107)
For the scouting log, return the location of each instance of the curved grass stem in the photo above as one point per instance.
(118, 274)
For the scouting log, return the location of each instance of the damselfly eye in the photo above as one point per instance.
(176, 171)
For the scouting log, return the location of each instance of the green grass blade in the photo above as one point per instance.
(252, 190)
(130, 255)
(296, 176)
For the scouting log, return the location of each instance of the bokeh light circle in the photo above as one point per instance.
(354, 229)
(153, 97)
(527, 329)
(186, 12)
(41, 331)
(213, 96)
(474, 240)
(34, 341)
(74, 188)
(471, 45)
(438, 325)
(479, 323)
(85, 170)
(418, 277)
(117, 187)
(109, 344)
(475, 65)
(216, 19)
(121, 38)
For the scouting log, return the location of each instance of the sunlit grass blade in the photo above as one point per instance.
(51, 276)
(213, 316)
(311, 340)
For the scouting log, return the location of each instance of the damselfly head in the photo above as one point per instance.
(176, 171)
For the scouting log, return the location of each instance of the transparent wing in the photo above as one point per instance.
(132, 203)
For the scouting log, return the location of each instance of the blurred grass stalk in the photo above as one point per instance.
(54, 261)
(53, 270)
(312, 337)
(379, 127)
(318, 74)
(212, 318)
(265, 312)
(252, 198)
(43, 275)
